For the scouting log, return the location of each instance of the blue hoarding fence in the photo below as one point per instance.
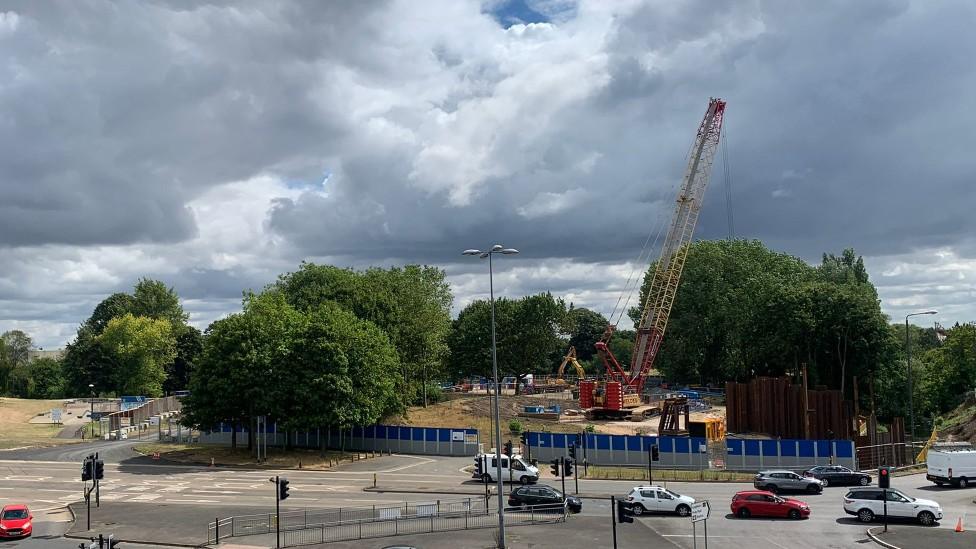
(693, 452)
(379, 438)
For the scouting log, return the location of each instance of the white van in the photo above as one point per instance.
(951, 466)
(486, 466)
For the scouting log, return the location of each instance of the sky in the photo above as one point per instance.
(215, 145)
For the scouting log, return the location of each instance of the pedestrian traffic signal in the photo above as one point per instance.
(86, 470)
(884, 477)
(507, 449)
(572, 451)
(99, 469)
(568, 467)
(554, 467)
(282, 488)
(655, 452)
(625, 512)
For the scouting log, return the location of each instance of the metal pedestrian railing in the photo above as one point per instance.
(325, 525)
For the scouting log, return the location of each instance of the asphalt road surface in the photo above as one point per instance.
(50, 479)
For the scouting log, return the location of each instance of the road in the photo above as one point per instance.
(49, 479)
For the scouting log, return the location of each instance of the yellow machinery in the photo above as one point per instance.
(558, 383)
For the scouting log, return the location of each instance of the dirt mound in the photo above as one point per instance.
(961, 422)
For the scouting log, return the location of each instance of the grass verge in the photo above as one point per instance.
(677, 475)
(222, 455)
(16, 430)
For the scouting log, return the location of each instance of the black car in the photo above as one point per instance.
(835, 475)
(527, 496)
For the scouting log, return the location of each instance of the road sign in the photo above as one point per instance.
(56, 415)
(125, 421)
(154, 420)
(699, 511)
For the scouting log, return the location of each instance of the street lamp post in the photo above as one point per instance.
(911, 379)
(91, 415)
(496, 249)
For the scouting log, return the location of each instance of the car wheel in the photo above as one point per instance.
(524, 480)
(864, 481)
(963, 482)
(683, 510)
(825, 482)
(744, 513)
(638, 510)
(865, 515)
(794, 514)
(926, 518)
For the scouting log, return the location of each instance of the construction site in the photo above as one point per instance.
(635, 399)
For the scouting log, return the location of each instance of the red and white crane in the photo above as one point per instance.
(621, 391)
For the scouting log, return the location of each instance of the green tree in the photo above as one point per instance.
(189, 346)
(410, 304)
(43, 379)
(529, 337)
(113, 306)
(153, 299)
(587, 327)
(140, 348)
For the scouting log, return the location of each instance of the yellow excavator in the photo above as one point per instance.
(557, 383)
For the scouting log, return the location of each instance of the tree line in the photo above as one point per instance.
(325, 346)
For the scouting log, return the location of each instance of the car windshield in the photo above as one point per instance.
(15, 514)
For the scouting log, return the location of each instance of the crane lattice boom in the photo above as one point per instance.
(667, 272)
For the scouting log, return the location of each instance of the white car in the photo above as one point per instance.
(868, 503)
(643, 499)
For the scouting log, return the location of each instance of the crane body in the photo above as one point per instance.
(619, 395)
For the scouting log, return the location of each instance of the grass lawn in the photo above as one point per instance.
(15, 429)
(660, 474)
(224, 455)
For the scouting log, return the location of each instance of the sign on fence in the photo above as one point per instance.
(427, 510)
(699, 511)
(457, 436)
(390, 513)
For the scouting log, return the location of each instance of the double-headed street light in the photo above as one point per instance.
(911, 380)
(496, 249)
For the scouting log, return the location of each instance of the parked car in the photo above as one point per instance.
(760, 503)
(955, 466)
(15, 521)
(832, 475)
(783, 481)
(868, 503)
(645, 499)
(526, 496)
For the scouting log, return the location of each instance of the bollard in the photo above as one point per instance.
(374, 480)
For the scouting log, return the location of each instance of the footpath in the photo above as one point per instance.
(578, 532)
(916, 537)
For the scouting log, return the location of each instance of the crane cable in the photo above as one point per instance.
(728, 183)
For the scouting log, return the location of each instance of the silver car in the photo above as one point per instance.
(785, 481)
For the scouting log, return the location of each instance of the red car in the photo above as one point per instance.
(15, 521)
(760, 503)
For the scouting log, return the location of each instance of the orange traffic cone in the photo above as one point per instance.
(959, 527)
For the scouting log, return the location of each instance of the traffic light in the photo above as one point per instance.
(624, 512)
(86, 470)
(507, 449)
(884, 477)
(568, 467)
(524, 440)
(572, 451)
(99, 469)
(478, 471)
(655, 452)
(554, 467)
(282, 489)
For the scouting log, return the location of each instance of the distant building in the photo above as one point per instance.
(54, 354)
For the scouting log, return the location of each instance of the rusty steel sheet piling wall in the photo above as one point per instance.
(774, 406)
